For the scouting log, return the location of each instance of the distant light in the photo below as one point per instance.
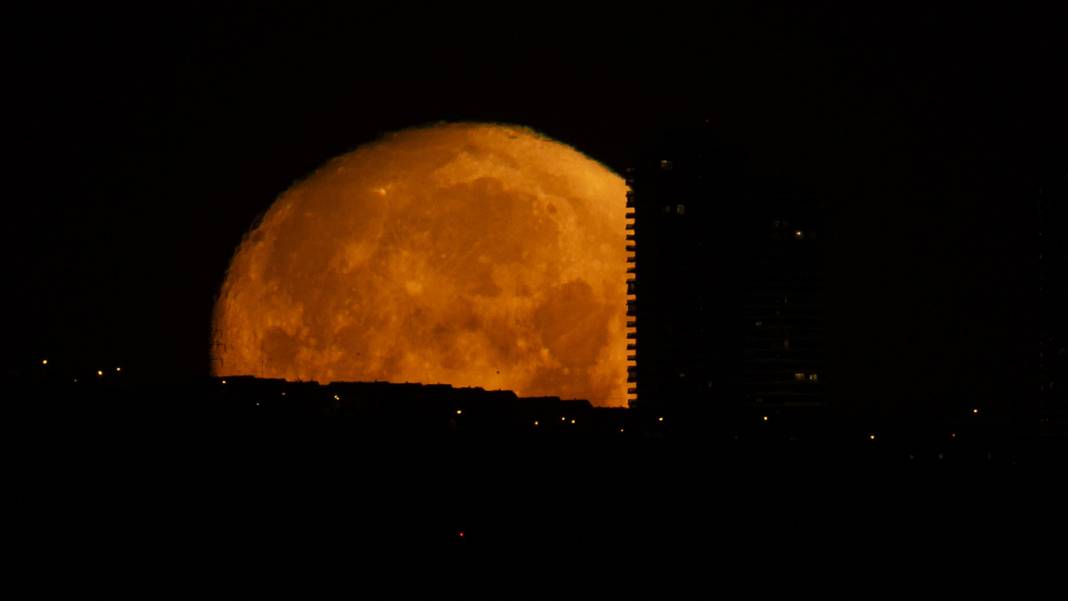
(460, 533)
(952, 434)
(563, 419)
(257, 403)
(44, 362)
(572, 422)
(99, 372)
(535, 422)
(118, 369)
(283, 393)
(459, 412)
(337, 398)
(75, 380)
(799, 375)
(224, 381)
(765, 418)
(871, 437)
(660, 419)
(798, 234)
(621, 430)
(975, 412)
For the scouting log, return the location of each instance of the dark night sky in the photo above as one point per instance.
(147, 142)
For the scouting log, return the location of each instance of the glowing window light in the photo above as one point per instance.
(798, 234)
(799, 375)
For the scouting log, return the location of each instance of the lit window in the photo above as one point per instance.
(680, 209)
(665, 165)
(799, 376)
(798, 235)
(813, 377)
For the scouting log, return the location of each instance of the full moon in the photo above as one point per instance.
(466, 254)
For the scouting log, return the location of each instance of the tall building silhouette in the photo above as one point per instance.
(727, 282)
(1053, 298)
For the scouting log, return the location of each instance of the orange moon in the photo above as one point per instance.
(466, 254)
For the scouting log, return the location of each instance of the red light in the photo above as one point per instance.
(460, 534)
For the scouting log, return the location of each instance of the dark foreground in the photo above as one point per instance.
(107, 478)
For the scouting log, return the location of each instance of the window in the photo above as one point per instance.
(665, 165)
(680, 209)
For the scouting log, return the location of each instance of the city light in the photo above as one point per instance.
(871, 437)
(535, 423)
(459, 412)
(621, 430)
(660, 419)
(765, 418)
(44, 362)
(337, 398)
(975, 412)
(572, 422)
(224, 381)
(118, 369)
(99, 372)
(799, 234)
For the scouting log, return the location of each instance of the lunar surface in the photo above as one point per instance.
(465, 254)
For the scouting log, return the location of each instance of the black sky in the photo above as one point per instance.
(148, 140)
